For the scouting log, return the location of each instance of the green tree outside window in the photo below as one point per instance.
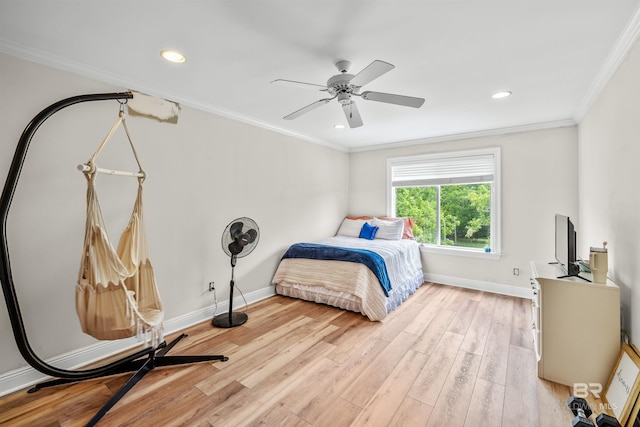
(464, 218)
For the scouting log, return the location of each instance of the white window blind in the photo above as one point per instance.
(442, 170)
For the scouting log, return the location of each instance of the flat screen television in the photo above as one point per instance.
(566, 245)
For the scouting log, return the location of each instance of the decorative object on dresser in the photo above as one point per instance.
(239, 239)
(599, 263)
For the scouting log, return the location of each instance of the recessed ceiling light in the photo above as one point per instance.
(338, 126)
(502, 94)
(173, 56)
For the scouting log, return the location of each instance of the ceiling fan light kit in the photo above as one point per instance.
(344, 85)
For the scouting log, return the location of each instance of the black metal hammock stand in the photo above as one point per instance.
(140, 362)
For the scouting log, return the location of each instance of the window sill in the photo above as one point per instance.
(470, 253)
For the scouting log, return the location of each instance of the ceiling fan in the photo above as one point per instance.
(344, 85)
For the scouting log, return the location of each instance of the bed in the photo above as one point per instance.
(331, 272)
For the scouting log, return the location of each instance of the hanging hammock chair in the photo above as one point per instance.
(116, 294)
(132, 279)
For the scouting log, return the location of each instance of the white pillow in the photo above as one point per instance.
(351, 227)
(389, 230)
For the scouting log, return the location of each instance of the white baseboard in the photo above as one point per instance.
(21, 378)
(496, 288)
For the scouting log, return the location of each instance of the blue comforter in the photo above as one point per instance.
(374, 261)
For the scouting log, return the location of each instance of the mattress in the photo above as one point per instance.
(353, 286)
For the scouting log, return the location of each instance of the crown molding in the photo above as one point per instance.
(468, 135)
(620, 51)
(34, 55)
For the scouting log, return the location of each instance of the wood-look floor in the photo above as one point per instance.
(447, 356)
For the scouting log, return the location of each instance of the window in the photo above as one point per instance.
(452, 197)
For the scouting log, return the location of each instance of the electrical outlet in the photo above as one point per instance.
(516, 271)
(211, 287)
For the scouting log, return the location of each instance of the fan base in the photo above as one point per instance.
(222, 320)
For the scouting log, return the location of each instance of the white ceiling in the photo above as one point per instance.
(554, 55)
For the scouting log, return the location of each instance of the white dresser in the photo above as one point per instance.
(576, 326)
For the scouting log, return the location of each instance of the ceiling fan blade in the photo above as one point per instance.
(390, 98)
(303, 85)
(306, 109)
(352, 114)
(371, 72)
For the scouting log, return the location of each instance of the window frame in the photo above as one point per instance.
(496, 236)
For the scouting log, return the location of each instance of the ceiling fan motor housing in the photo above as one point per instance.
(339, 85)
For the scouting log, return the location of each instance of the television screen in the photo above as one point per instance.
(566, 245)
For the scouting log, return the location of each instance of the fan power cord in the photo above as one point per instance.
(215, 298)
(246, 306)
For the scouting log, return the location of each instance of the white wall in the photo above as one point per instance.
(202, 173)
(539, 179)
(609, 155)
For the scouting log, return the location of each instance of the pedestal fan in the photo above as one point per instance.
(239, 239)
